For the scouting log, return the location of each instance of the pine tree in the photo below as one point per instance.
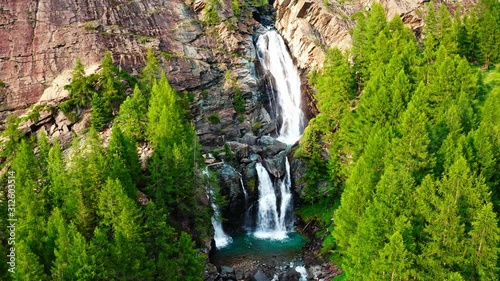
(484, 239)
(29, 201)
(190, 264)
(70, 250)
(99, 255)
(394, 261)
(87, 173)
(132, 116)
(488, 31)
(335, 90)
(56, 172)
(119, 213)
(358, 192)
(364, 35)
(28, 266)
(80, 88)
(124, 161)
(158, 237)
(13, 137)
(101, 113)
(150, 73)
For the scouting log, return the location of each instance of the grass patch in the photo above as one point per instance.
(321, 211)
(341, 277)
(492, 77)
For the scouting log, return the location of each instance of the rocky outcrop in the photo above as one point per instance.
(238, 179)
(310, 27)
(42, 38)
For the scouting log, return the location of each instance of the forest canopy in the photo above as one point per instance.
(412, 130)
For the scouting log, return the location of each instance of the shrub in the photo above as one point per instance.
(214, 119)
(239, 102)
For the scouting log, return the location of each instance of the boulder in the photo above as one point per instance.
(259, 276)
(227, 273)
(61, 120)
(276, 164)
(240, 150)
(291, 275)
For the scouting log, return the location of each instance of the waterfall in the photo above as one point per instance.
(271, 223)
(220, 237)
(274, 218)
(275, 59)
(268, 219)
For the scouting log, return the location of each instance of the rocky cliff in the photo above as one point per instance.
(310, 27)
(43, 38)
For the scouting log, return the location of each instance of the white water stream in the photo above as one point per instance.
(220, 237)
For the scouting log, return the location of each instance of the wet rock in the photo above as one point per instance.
(266, 140)
(249, 139)
(290, 275)
(240, 274)
(259, 276)
(240, 150)
(276, 165)
(229, 180)
(316, 272)
(298, 167)
(227, 273)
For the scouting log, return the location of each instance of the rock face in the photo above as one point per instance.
(43, 39)
(310, 27)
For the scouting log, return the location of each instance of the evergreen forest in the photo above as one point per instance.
(92, 212)
(402, 164)
(412, 132)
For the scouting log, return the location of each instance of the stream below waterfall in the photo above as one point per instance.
(271, 241)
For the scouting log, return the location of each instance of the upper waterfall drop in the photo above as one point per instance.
(275, 59)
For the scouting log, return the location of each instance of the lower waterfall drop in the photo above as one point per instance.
(268, 226)
(271, 221)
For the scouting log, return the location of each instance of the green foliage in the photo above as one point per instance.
(235, 6)
(100, 113)
(214, 119)
(411, 141)
(258, 3)
(132, 117)
(80, 88)
(150, 72)
(211, 13)
(12, 137)
(80, 216)
(256, 126)
(239, 102)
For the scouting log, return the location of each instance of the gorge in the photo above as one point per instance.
(250, 140)
(273, 231)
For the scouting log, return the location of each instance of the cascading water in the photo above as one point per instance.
(275, 59)
(268, 219)
(220, 237)
(286, 198)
